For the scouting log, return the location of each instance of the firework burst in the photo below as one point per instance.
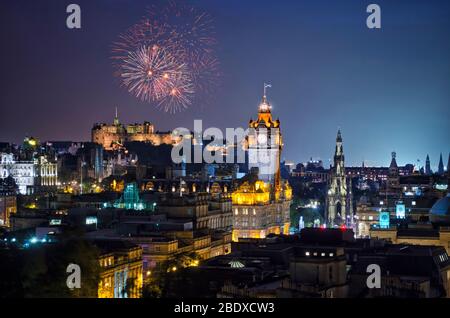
(151, 73)
(168, 59)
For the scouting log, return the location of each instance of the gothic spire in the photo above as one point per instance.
(441, 165)
(427, 166)
(339, 136)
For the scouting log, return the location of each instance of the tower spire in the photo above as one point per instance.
(428, 166)
(393, 160)
(441, 165)
(265, 89)
(116, 118)
(339, 135)
(264, 107)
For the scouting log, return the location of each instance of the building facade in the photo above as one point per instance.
(29, 176)
(120, 270)
(8, 206)
(113, 136)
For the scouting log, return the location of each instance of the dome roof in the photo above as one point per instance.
(441, 207)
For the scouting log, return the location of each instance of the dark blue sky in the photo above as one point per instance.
(386, 89)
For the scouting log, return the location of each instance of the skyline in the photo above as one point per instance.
(322, 81)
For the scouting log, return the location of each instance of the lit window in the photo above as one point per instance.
(307, 254)
(331, 254)
(381, 202)
(370, 218)
(413, 203)
(323, 254)
(236, 212)
(315, 254)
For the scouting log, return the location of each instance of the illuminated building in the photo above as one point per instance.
(8, 206)
(167, 240)
(130, 200)
(8, 200)
(368, 211)
(47, 172)
(436, 232)
(184, 228)
(115, 135)
(339, 204)
(265, 144)
(120, 269)
(261, 203)
(384, 220)
(206, 210)
(29, 175)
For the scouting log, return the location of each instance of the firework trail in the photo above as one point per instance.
(168, 58)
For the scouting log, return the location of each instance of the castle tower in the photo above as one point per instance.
(265, 144)
(339, 203)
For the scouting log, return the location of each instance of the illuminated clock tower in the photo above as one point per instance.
(265, 144)
(261, 202)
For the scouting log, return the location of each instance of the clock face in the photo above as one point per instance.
(262, 139)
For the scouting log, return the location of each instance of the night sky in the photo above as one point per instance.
(386, 89)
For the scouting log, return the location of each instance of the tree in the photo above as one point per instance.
(40, 271)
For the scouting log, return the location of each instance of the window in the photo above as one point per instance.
(331, 254)
(322, 254)
(307, 253)
(370, 217)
